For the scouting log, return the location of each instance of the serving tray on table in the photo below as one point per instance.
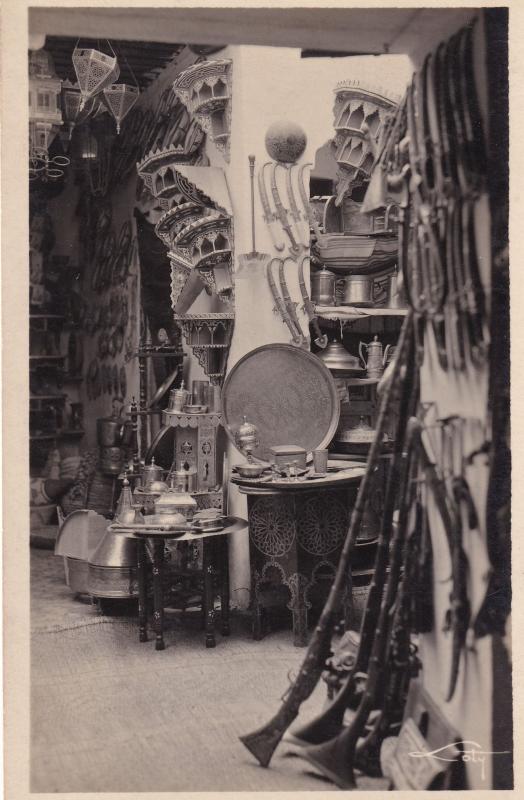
(288, 393)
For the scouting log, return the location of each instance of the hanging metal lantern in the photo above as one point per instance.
(94, 71)
(73, 109)
(120, 98)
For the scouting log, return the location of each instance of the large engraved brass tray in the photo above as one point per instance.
(287, 393)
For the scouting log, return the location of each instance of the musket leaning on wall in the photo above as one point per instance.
(263, 742)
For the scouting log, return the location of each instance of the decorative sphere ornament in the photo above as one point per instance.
(285, 141)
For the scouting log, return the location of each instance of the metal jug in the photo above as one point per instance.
(374, 364)
(113, 431)
(323, 287)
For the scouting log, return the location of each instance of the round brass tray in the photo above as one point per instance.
(288, 393)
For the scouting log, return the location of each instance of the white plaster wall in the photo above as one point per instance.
(271, 84)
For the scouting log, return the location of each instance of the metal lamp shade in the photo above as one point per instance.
(120, 98)
(74, 110)
(94, 71)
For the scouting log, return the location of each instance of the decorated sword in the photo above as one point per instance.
(290, 305)
(293, 207)
(269, 216)
(280, 306)
(294, 247)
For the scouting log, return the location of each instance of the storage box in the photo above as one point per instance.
(284, 454)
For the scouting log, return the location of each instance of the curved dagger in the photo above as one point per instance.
(280, 306)
(269, 216)
(293, 207)
(290, 305)
(321, 340)
(305, 201)
(294, 247)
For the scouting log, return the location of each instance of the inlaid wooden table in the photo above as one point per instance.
(214, 541)
(296, 532)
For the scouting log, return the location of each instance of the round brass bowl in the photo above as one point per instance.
(250, 470)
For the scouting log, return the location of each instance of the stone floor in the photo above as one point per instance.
(110, 714)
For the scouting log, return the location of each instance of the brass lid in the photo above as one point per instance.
(287, 450)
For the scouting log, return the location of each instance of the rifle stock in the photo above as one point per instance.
(335, 758)
(263, 742)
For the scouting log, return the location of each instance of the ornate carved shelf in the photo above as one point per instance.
(176, 420)
(171, 224)
(360, 114)
(158, 171)
(205, 89)
(201, 332)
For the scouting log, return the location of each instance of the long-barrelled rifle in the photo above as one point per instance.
(336, 757)
(329, 722)
(263, 742)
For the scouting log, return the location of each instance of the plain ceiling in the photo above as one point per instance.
(354, 30)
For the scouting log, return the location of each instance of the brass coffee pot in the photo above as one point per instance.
(375, 360)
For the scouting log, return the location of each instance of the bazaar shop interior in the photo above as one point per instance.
(268, 399)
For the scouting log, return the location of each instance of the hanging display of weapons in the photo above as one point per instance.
(288, 224)
(435, 159)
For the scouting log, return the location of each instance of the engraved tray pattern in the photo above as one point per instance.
(287, 393)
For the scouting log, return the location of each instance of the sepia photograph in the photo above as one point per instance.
(262, 399)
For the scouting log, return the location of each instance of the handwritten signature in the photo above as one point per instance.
(472, 753)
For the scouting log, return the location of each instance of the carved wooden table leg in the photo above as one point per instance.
(224, 585)
(209, 593)
(142, 372)
(298, 605)
(158, 592)
(142, 591)
(256, 610)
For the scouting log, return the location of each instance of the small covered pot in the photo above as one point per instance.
(175, 508)
(151, 473)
